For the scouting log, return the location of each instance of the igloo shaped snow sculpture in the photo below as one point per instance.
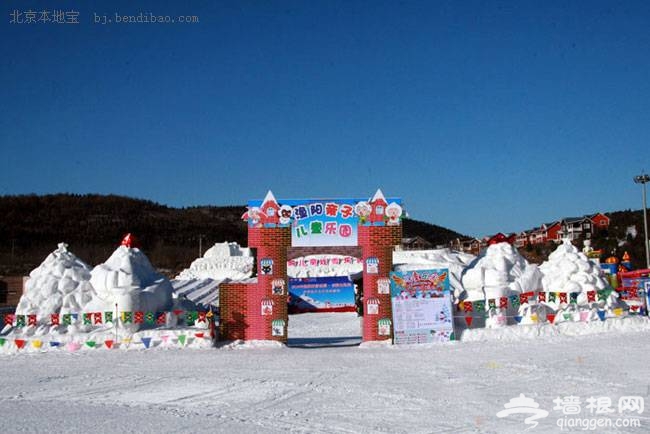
(128, 279)
(60, 284)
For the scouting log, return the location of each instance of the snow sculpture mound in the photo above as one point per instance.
(128, 279)
(221, 261)
(500, 271)
(570, 271)
(61, 284)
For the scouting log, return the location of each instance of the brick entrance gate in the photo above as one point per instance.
(257, 309)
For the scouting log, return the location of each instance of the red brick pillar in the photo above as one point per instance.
(377, 245)
(271, 244)
(241, 305)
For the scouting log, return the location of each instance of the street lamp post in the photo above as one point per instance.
(643, 179)
(201, 245)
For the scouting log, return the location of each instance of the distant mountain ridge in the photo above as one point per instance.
(93, 225)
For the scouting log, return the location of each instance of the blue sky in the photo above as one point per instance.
(482, 116)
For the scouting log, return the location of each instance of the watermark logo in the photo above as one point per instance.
(594, 413)
(599, 412)
(524, 405)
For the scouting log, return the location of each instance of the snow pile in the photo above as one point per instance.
(61, 284)
(220, 262)
(501, 271)
(570, 271)
(454, 261)
(128, 279)
(324, 265)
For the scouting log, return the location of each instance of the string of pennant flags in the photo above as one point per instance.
(567, 316)
(466, 309)
(145, 341)
(563, 298)
(517, 300)
(160, 318)
(99, 318)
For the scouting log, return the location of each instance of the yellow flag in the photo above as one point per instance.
(533, 317)
(37, 343)
(618, 311)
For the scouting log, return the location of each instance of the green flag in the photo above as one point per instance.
(108, 317)
(149, 318)
(20, 320)
(181, 339)
(514, 301)
(127, 317)
(192, 317)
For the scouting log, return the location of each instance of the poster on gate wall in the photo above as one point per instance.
(422, 307)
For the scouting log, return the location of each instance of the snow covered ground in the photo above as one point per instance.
(456, 387)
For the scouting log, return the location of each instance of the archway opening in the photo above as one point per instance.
(325, 296)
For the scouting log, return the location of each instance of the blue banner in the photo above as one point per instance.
(321, 294)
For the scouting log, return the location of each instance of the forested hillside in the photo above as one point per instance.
(93, 225)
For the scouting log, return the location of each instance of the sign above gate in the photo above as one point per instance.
(324, 222)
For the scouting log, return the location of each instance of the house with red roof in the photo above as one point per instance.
(600, 222)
